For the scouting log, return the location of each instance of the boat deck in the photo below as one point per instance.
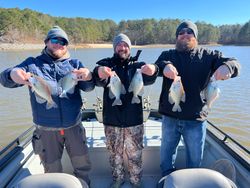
(25, 163)
(100, 174)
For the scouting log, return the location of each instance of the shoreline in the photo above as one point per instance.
(33, 46)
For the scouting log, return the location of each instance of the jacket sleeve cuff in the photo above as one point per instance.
(234, 67)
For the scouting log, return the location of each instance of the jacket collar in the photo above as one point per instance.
(45, 55)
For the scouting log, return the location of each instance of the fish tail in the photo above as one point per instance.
(176, 108)
(50, 105)
(136, 100)
(117, 102)
(63, 95)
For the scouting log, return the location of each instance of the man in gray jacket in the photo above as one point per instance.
(57, 118)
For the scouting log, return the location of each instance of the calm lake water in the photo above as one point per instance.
(230, 111)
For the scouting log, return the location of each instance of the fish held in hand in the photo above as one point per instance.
(176, 94)
(116, 88)
(136, 86)
(67, 84)
(42, 91)
(210, 93)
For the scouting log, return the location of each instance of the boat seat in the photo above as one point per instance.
(197, 178)
(51, 180)
(225, 167)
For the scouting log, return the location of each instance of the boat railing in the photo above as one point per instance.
(15, 147)
(232, 146)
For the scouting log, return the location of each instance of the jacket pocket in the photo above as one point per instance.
(37, 143)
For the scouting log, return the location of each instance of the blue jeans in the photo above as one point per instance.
(193, 133)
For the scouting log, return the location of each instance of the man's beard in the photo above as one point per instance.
(186, 45)
(57, 54)
(123, 55)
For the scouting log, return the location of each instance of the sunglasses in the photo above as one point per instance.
(188, 31)
(62, 42)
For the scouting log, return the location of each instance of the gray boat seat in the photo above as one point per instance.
(225, 167)
(51, 180)
(197, 178)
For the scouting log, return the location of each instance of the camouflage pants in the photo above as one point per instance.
(128, 141)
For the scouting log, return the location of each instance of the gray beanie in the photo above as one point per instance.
(187, 24)
(56, 31)
(121, 38)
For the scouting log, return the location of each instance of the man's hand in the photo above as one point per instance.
(104, 72)
(170, 71)
(148, 69)
(83, 74)
(222, 73)
(20, 76)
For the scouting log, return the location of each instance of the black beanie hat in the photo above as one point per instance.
(187, 24)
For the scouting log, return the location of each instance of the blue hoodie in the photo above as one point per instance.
(68, 112)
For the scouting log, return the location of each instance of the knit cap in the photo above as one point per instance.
(187, 24)
(56, 31)
(121, 38)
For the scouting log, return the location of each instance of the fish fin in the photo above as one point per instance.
(203, 95)
(109, 84)
(209, 106)
(183, 97)
(170, 99)
(206, 108)
(32, 89)
(60, 90)
(111, 94)
(39, 99)
(63, 95)
(136, 100)
(131, 87)
(176, 108)
(123, 90)
(60, 82)
(72, 90)
(117, 102)
(141, 92)
(51, 105)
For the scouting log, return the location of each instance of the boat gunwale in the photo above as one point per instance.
(24, 139)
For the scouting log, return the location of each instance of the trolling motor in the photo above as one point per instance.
(98, 109)
(146, 108)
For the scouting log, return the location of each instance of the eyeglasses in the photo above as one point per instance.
(187, 30)
(62, 42)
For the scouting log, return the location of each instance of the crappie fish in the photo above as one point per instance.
(42, 91)
(136, 86)
(210, 93)
(116, 88)
(176, 94)
(67, 84)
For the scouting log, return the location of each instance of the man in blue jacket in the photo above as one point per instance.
(60, 124)
(195, 65)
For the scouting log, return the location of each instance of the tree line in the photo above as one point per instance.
(30, 26)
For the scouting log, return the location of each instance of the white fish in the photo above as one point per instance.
(42, 91)
(176, 94)
(67, 84)
(210, 93)
(116, 88)
(136, 86)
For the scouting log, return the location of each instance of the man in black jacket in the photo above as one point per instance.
(195, 66)
(123, 121)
